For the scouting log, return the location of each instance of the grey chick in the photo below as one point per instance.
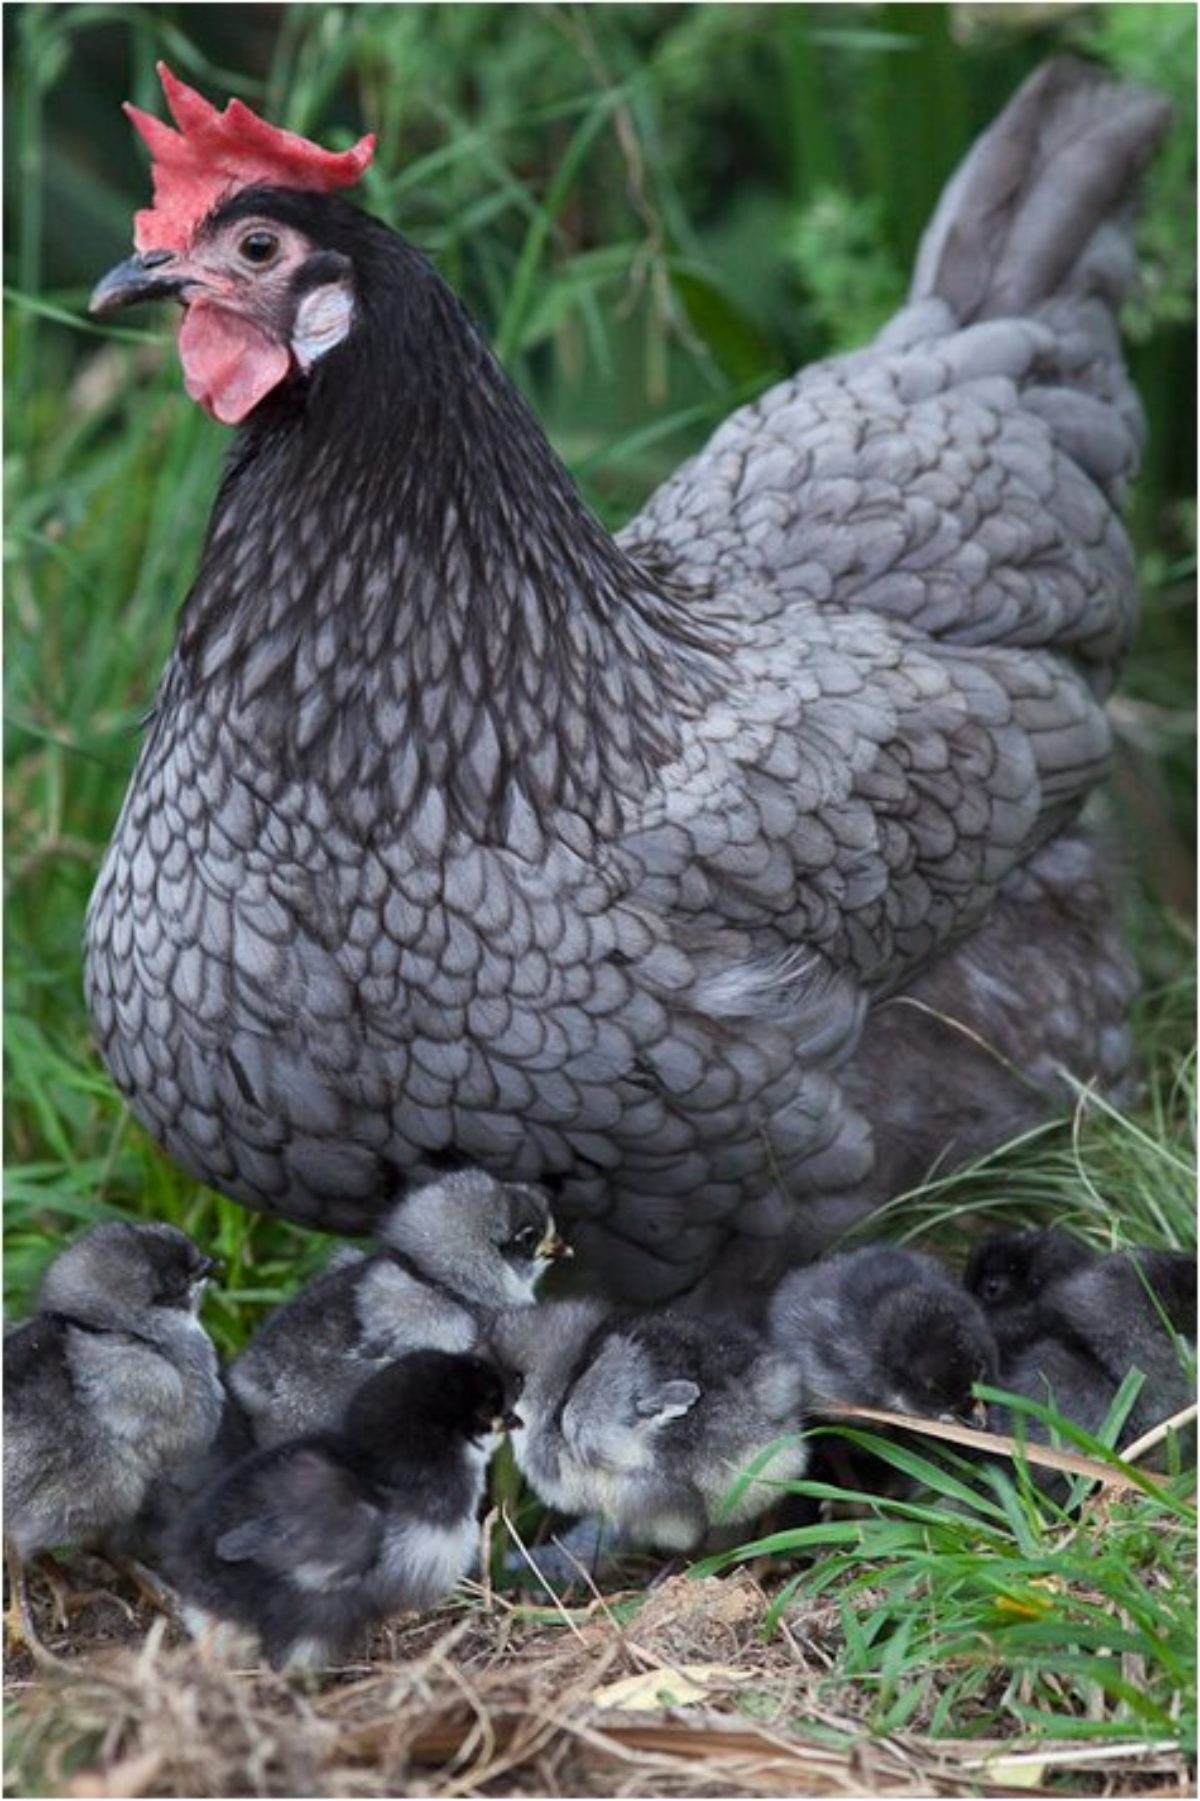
(1087, 1328)
(451, 1254)
(110, 1385)
(170, 1493)
(308, 1543)
(647, 1420)
(1009, 1271)
(884, 1327)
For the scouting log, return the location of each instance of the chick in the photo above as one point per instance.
(451, 1255)
(1006, 1273)
(648, 1420)
(883, 1327)
(309, 1542)
(1085, 1329)
(1171, 1279)
(1012, 1269)
(169, 1494)
(109, 1386)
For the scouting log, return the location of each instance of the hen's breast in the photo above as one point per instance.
(309, 1018)
(312, 1005)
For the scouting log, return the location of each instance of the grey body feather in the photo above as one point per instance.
(648, 1421)
(450, 1256)
(465, 832)
(170, 1493)
(111, 1387)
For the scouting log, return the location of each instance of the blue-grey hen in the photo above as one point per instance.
(466, 833)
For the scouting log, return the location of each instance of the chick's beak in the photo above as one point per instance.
(508, 1421)
(553, 1248)
(154, 275)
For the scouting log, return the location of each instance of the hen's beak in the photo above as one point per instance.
(553, 1248)
(979, 1415)
(156, 275)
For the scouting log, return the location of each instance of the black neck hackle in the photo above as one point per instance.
(397, 558)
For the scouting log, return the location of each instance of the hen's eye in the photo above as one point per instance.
(259, 248)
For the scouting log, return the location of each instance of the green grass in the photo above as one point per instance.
(983, 1608)
(655, 212)
(1113, 1177)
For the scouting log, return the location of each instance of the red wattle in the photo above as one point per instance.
(229, 364)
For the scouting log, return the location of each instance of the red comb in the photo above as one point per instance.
(214, 154)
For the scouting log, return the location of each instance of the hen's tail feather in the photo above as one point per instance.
(1038, 207)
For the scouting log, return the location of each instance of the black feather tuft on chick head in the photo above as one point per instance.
(1016, 1266)
(427, 1390)
(936, 1345)
(123, 1268)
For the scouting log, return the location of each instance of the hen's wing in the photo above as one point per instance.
(862, 792)
(963, 473)
(928, 579)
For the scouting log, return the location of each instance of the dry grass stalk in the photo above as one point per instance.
(494, 1703)
(1072, 1463)
(1150, 1440)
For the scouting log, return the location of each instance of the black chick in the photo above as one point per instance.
(883, 1327)
(450, 1255)
(1006, 1274)
(1082, 1331)
(112, 1384)
(307, 1543)
(1171, 1278)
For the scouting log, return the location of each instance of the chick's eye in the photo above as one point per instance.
(523, 1243)
(259, 248)
(173, 1292)
(991, 1288)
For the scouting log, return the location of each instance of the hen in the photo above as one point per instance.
(723, 877)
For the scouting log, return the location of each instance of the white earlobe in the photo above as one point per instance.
(323, 319)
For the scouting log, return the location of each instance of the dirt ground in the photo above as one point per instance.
(670, 1690)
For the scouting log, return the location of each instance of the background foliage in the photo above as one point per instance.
(656, 211)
